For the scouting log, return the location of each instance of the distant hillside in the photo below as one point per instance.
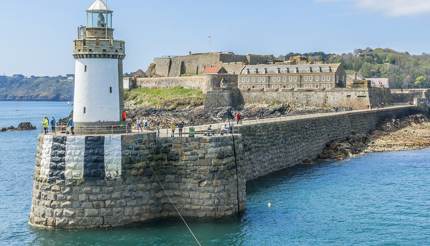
(34, 88)
(403, 69)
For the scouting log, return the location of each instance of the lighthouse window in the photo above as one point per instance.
(110, 90)
(85, 110)
(85, 68)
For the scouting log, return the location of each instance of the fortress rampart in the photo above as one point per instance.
(205, 83)
(356, 98)
(114, 180)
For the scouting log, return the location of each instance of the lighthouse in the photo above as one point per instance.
(98, 97)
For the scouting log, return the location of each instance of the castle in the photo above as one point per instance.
(229, 79)
(196, 63)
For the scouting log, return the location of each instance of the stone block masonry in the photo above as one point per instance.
(114, 180)
(271, 146)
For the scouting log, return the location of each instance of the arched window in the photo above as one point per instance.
(110, 90)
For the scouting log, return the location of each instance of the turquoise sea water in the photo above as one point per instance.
(377, 199)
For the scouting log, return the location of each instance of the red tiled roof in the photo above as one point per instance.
(214, 70)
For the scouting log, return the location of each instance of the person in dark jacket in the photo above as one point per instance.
(71, 126)
(53, 125)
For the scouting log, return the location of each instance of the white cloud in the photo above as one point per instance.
(390, 7)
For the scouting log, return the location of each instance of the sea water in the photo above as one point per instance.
(376, 199)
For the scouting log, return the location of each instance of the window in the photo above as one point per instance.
(247, 71)
(110, 90)
(85, 68)
(265, 70)
(85, 110)
(256, 70)
(279, 70)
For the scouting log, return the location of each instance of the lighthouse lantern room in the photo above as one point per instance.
(98, 98)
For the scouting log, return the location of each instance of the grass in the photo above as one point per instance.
(168, 98)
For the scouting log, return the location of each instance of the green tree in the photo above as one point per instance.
(420, 81)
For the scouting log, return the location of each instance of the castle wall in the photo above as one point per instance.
(163, 66)
(335, 98)
(205, 83)
(191, 82)
(194, 64)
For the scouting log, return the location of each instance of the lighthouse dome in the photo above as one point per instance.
(99, 6)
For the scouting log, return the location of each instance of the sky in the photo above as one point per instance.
(37, 35)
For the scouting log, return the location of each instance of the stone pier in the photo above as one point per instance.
(114, 180)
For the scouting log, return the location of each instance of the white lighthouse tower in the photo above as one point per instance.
(98, 99)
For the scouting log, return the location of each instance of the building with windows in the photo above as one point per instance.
(278, 77)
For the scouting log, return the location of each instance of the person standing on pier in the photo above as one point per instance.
(181, 128)
(238, 117)
(71, 126)
(45, 125)
(139, 125)
(158, 128)
(53, 124)
(173, 128)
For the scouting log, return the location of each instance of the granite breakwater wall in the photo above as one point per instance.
(273, 145)
(114, 180)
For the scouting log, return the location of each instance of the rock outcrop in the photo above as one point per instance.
(412, 132)
(23, 126)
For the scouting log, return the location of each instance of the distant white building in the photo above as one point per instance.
(379, 82)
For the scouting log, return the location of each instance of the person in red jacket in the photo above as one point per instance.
(124, 116)
(238, 117)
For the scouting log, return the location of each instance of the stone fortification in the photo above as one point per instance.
(196, 63)
(205, 83)
(114, 180)
(356, 98)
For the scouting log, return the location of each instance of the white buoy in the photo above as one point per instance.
(269, 205)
